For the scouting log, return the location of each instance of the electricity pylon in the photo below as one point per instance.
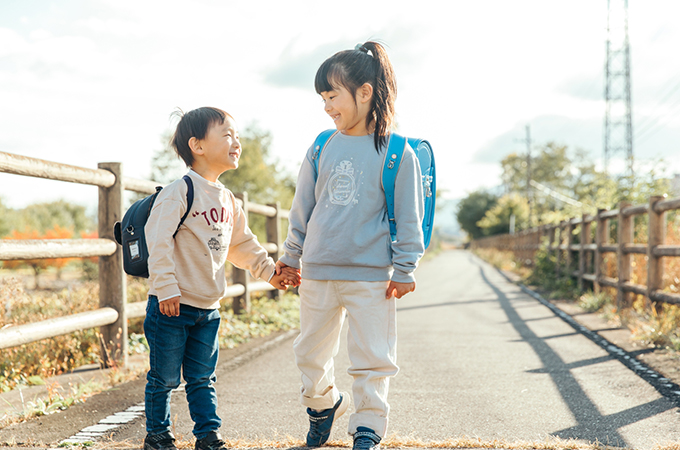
(618, 125)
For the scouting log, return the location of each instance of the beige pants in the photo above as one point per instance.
(371, 343)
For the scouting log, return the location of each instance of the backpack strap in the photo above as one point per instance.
(395, 151)
(190, 201)
(319, 144)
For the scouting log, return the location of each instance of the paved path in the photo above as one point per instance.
(479, 358)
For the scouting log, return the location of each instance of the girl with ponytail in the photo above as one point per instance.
(339, 236)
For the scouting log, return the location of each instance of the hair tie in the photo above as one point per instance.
(361, 48)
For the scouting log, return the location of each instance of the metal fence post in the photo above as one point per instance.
(241, 302)
(112, 282)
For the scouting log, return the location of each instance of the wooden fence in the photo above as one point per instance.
(113, 311)
(576, 255)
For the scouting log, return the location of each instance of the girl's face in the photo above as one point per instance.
(348, 112)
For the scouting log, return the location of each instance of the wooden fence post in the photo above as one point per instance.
(241, 303)
(569, 257)
(274, 235)
(582, 258)
(656, 237)
(601, 238)
(558, 250)
(112, 282)
(625, 236)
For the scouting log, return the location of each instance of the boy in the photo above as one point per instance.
(187, 279)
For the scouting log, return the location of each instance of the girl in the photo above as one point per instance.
(339, 231)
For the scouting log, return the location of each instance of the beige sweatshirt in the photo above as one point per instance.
(216, 230)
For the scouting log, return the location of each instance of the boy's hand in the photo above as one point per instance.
(169, 307)
(398, 290)
(287, 277)
(292, 277)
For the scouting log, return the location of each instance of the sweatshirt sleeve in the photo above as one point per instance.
(160, 226)
(300, 212)
(408, 213)
(245, 251)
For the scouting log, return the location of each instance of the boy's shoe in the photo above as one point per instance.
(213, 441)
(366, 439)
(320, 423)
(161, 441)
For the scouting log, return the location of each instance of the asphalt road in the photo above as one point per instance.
(479, 358)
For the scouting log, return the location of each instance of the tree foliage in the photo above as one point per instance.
(472, 209)
(497, 219)
(572, 186)
(41, 264)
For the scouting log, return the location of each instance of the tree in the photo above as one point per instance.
(45, 216)
(497, 219)
(472, 209)
(40, 265)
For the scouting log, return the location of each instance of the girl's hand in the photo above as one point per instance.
(169, 307)
(279, 266)
(396, 289)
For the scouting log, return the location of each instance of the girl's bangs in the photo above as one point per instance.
(327, 78)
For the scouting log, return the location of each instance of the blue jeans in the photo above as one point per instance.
(186, 344)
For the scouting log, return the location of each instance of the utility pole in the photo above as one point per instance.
(527, 140)
(618, 128)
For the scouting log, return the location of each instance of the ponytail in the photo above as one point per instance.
(367, 63)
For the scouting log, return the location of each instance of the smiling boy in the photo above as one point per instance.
(187, 276)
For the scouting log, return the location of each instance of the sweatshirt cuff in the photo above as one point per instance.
(402, 277)
(167, 292)
(290, 261)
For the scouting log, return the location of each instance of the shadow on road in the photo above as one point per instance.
(591, 424)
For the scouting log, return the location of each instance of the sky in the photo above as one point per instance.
(89, 81)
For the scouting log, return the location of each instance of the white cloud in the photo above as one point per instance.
(97, 82)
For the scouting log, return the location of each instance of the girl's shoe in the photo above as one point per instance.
(366, 439)
(321, 423)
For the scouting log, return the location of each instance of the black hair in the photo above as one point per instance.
(351, 69)
(194, 123)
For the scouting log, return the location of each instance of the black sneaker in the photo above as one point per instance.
(161, 441)
(320, 423)
(366, 439)
(213, 441)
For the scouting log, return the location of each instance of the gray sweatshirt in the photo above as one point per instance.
(338, 223)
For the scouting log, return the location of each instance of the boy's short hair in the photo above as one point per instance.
(194, 123)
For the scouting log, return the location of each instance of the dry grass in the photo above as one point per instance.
(394, 441)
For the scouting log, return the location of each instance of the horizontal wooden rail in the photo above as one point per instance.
(33, 167)
(25, 334)
(114, 310)
(11, 249)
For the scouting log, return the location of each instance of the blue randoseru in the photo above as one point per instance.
(395, 151)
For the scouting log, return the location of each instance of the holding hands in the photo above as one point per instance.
(285, 276)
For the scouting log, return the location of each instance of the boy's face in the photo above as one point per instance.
(221, 146)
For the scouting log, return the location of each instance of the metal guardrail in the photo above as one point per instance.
(113, 310)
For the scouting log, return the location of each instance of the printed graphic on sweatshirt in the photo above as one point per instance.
(341, 186)
(215, 216)
(220, 222)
